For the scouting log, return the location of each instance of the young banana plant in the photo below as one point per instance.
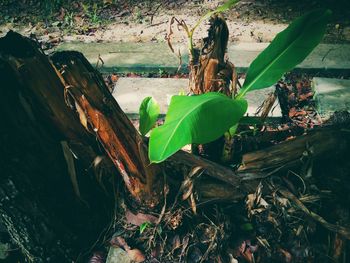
(203, 118)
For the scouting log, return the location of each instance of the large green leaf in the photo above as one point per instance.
(149, 111)
(194, 119)
(288, 49)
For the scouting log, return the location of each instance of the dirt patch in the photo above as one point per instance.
(147, 21)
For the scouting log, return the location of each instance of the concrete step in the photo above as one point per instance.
(152, 57)
(129, 93)
(331, 95)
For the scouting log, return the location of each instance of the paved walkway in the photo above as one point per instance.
(129, 93)
(331, 94)
(152, 57)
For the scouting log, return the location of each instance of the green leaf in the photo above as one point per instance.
(194, 119)
(143, 226)
(248, 227)
(233, 129)
(288, 49)
(149, 111)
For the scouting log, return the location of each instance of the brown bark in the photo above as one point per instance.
(210, 71)
(77, 84)
(315, 146)
(38, 208)
(317, 143)
(34, 71)
(101, 115)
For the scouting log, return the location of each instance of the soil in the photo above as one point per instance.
(147, 21)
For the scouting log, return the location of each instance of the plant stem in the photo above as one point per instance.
(190, 45)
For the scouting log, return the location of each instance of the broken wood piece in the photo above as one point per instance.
(102, 116)
(38, 208)
(317, 143)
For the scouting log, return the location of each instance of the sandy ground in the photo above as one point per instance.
(249, 21)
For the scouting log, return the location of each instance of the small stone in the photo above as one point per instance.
(117, 255)
(331, 95)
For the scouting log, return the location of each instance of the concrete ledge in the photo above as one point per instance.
(129, 93)
(152, 57)
(331, 95)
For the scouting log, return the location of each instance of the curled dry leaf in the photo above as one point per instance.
(187, 184)
(285, 255)
(175, 221)
(245, 251)
(114, 77)
(135, 254)
(176, 243)
(263, 242)
(185, 242)
(255, 203)
(180, 23)
(119, 242)
(139, 218)
(187, 188)
(193, 203)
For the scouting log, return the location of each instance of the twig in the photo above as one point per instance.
(345, 232)
(98, 61)
(157, 24)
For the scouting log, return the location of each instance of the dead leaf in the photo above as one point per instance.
(136, 255)
(119, 242)
(175, 221)
(193, 204)
(185, 242)
(286, 256)
(176, 243)
(139, 218)
(114, 77)
(263, 242)
(255, 203)
(187, 184)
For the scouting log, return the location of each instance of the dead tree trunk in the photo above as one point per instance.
(38, 206)
(78, 85)
(100, 114)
